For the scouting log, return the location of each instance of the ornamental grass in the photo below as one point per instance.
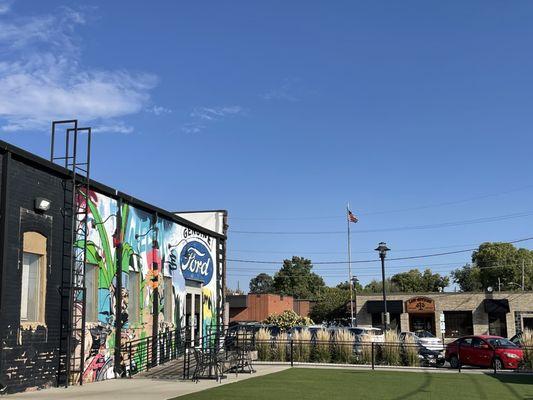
(263, 344)
(343, 346)
(302, 346)
(410, 352)
(391, 350)
(280, 347)
(322, 352)
(527, 347)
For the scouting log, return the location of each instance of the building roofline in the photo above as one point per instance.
(104, 189)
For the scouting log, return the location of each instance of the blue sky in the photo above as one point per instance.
(415, 112)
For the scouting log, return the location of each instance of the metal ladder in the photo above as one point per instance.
(75, 229)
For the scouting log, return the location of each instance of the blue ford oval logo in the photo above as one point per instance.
(196, 262)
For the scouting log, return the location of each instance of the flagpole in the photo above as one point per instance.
(349, 264)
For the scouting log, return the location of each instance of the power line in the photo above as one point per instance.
(403, 228)
(373, 261)
(422, 207)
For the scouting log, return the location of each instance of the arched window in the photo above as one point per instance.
(33, 282)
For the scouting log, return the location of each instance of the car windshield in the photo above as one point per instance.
(502, 343)
(424, 334)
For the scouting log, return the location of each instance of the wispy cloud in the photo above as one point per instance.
(5, 6)
(201, 116)
(287, 91)
(159, 110)
(118, 127)
(39, 83)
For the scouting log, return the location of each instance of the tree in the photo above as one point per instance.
(375, 286)
(346, 285)
(504, 261)
(296, 279)
(415, 281)
(331, 305)
(468, 278)
(262, 283)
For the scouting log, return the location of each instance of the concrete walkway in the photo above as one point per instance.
(139, 388)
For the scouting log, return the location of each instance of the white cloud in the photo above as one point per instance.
(214, 113)
(206, 115)
(43, 78)
(159, 110)
(5, 6)
(285, 92)
(118, 127)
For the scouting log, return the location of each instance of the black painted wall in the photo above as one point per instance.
(29, 356)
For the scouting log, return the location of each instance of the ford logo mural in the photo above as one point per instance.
(196, 262)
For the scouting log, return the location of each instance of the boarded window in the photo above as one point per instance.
(91, 292)
(133, 286)
(168, 305)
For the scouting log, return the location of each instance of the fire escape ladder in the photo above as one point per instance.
(75, 157)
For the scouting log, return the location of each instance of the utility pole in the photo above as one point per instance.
(349, 264)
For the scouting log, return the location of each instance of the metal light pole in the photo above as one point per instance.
(354, 281)
(382, 249)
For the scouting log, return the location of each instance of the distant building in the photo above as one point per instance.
(450, 314)
(256, 307)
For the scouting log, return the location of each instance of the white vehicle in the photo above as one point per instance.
(375, 334)
(425, 338)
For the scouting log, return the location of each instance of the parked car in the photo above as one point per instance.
(517, 339)
(484, 351)
(425, 338)
(432, 356)
(373, 334)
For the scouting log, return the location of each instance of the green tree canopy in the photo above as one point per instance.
(346, 285)
(296, 279)
(468, 278)
(416, 281)
(262, 283)
(330, 305)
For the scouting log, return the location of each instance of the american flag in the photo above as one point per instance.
(351, 217)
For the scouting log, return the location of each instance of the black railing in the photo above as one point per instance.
(142, 354)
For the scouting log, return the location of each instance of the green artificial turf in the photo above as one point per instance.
(326, 384)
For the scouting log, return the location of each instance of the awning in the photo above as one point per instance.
(494, 306)
(376, 306)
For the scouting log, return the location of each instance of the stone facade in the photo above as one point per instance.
(518, 317)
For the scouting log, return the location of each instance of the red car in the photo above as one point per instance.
(484, 351)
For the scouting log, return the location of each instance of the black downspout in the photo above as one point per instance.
(4, 199)
(118, 291)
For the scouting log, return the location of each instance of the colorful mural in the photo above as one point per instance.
(154, 252)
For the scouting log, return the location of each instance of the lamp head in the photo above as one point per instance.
(382, 249)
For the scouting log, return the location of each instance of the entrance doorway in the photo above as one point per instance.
(193, 315)
(422, 322)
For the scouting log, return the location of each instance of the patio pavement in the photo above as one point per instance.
(139, 388)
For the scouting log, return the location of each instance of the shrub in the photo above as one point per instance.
(527, 344)
(391, 351)
(287, 319)
(302, 346)
(280, 347)
(410, 352)
(322, 353)
(264, 350)
(343, 346)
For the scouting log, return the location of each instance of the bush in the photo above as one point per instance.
(410, 352)
(391, 351)
(343, 346)
(527, 344)
(287, 319)
(264, 349)
(302, 346)
(322, 353)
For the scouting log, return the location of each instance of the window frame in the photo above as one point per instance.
(134, 301)
(35, 243)
(168, 303)
(95, 310)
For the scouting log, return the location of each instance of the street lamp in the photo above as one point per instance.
(382, 249)
(354, 281)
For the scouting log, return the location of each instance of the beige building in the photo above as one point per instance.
(451, 314)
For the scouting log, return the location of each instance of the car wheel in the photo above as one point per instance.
(497, 364)
(440, 363)
(454, 362)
